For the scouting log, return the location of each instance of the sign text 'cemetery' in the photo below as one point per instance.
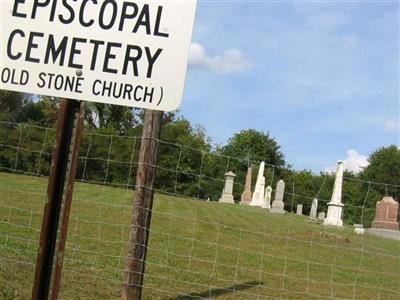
(131, 53)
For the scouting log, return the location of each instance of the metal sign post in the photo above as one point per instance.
(59, 197)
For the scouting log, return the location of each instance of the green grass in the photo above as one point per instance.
(196, 248)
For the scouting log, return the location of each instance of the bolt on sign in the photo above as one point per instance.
(131, 53)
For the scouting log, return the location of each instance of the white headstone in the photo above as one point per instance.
(267, 197)
(227, 196)
(321, 215)
(359, 228)
(277, 204)
(299, 210)
(335, 207)
(313, 211)
(258, 195)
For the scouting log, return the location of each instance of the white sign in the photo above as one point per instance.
(123, 52)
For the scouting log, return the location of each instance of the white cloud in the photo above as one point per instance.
(391, 126)
(231, 60)
(354, 162)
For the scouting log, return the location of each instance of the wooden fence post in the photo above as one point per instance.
(142, 207)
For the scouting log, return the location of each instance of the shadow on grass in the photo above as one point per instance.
(220, 291)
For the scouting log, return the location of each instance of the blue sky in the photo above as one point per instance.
(321, 77)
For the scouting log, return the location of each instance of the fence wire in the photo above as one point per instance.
(198, 249)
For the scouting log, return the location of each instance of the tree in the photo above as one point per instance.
(43, 112)
(11, 103)
(99, 115)
(384, 167)
(180, 166)
(254, 145)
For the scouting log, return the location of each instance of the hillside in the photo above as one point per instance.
(197, 249)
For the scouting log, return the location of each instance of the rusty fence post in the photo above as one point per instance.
(59, 197)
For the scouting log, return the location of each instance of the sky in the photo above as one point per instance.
(321, 77)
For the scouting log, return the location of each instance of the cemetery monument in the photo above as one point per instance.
(246, 195)
(385, 223)
(258, 195)
(313, 211)
(227, 193)
(277, 204)
(267, 197)
(335, 206)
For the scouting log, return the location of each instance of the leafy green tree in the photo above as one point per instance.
(384, 171)
(99, 115)
(254, 145)
(384, 166)
(11, 103)
(180, 167)
(43, 111)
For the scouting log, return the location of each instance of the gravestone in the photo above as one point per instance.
(385, 223)
(359, 228)
(258, 195)
(277, 204)
(321, 215)
(267, 197)
(299, 210)
(386, 214)
(335, 206)
(227, 196)
(313, 211)
(246, 195)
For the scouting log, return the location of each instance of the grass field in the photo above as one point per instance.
(196, 250)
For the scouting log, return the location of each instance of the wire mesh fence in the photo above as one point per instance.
(198, 248)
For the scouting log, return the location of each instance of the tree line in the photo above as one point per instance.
(188, 163)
